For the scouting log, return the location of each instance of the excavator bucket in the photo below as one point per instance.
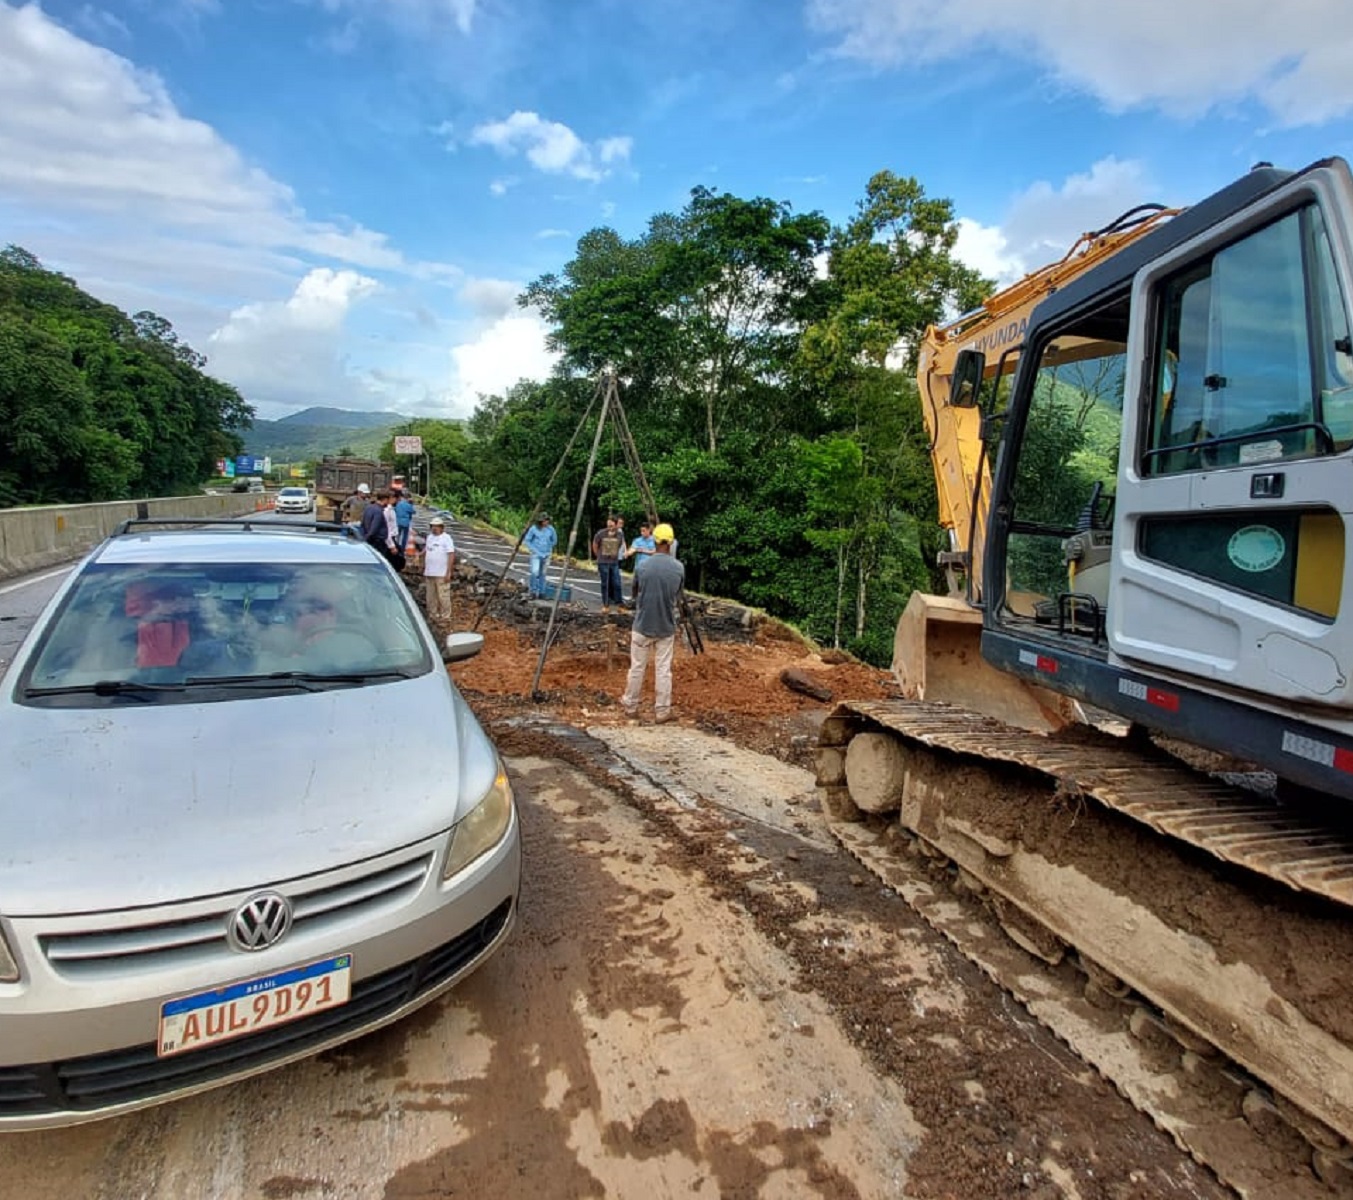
(937, 656)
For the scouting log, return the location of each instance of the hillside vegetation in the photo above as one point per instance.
(293, 440)
(99, 405)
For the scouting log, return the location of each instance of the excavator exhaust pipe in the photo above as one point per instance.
(937, 656)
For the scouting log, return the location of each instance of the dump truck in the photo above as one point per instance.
(1129, 725)
(336, 478)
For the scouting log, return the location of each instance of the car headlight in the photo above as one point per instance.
(482, 828)
(9, 969)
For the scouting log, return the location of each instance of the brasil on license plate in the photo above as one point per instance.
(192, 1022)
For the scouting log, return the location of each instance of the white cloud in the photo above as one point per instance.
(103, 177)
(552, 147)
(491, 298)
(553, 233)
(83, 130)
(102, 24)
(985, 249)
(419, 15)
(509, 350)
(290, 351)
(1044, 221)
(499, 187)
(1184, 58)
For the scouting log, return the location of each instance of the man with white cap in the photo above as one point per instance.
(355, 505)
(439, 560)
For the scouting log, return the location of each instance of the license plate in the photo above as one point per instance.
(192, 1022)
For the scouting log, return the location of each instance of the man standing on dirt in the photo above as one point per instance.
(654, 628)
(608, 548)
(640, 550)
(439, 560)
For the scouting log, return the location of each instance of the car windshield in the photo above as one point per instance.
(294, 491)
(163, 632)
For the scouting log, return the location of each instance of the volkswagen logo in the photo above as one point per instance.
(260, 922)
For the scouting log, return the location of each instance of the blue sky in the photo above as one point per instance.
(337, 201)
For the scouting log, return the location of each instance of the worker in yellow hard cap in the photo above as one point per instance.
(654, 631)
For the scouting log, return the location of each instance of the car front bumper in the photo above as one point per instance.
(78, 1037)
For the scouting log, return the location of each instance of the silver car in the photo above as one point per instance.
(246, 816)
(294, 500)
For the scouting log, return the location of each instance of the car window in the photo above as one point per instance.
(192, 624)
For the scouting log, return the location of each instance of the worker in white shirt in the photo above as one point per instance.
(439, 560)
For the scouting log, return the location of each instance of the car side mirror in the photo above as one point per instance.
(460, 646)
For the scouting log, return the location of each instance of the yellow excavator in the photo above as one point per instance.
(1129, 726)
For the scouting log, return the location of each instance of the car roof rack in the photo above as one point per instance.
(252, 524)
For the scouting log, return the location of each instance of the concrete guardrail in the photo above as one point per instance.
(33, 538)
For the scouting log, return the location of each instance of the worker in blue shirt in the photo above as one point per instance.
(540, 541)
(404, 510)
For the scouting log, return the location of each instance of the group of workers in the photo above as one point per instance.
(385, 521)
(658, 580)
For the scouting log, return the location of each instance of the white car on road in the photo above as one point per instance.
(294, 500)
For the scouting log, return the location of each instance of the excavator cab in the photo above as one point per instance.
(1203, 379)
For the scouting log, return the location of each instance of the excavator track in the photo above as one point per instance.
(1202, 914)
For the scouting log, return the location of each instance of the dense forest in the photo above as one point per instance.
(756, 350)
(99, 405)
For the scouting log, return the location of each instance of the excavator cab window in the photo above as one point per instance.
(1253, 355)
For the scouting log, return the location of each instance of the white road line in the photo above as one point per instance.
(14, 587)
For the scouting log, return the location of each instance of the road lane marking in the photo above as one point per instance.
(23, 583)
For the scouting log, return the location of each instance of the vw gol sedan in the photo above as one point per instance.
(216, 858)
(294, 500)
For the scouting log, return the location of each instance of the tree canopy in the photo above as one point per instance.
(751, 344)
(99, 405)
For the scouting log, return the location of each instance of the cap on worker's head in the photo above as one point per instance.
(436, 521)
(540, 520)
(364, 488)
(663, 533)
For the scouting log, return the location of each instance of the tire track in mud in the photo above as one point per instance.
(1008, 1108)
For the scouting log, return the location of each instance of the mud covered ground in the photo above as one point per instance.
(1002, 1107)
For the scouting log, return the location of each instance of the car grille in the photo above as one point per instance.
(102, 952)
(124, 1076)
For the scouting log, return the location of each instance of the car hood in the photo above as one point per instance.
(128, 805)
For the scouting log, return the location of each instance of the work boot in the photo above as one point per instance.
(663, 718)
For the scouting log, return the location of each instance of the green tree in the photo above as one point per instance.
(97, 405)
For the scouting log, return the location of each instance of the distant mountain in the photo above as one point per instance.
(291, 441)
(341, 418)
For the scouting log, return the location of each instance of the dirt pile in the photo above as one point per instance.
(733, 688)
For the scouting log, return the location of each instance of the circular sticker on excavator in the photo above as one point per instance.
(1256, 548)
